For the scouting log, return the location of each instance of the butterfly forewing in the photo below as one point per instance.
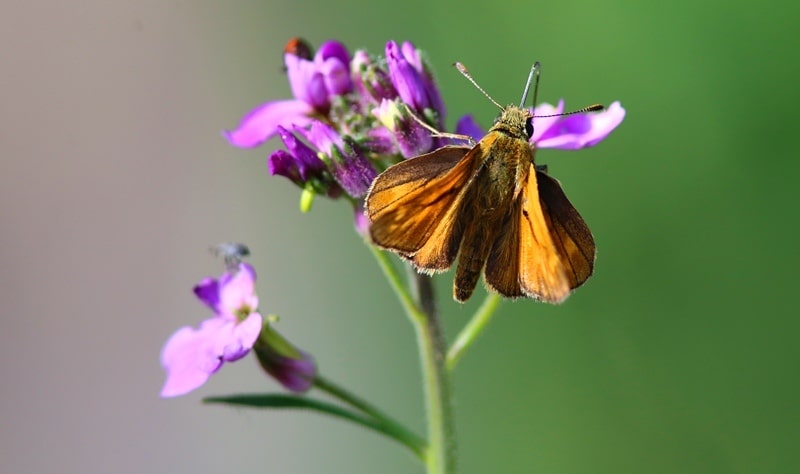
(541, 272)
(413, 206)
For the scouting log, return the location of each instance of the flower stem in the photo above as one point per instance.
(441, 454)
(441, 457)
(390, 426)
(396, 283)
(472, 330)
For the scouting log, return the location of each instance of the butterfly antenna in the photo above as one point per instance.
(464, 72)
(590, 108)
(536, 70)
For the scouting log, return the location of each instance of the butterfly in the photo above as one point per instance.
(489, 206)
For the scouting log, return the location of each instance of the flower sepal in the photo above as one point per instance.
(292, 367)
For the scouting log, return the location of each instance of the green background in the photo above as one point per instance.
(680, 355)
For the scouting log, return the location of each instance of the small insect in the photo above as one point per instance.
(490, 206)
(231, 253)
(299, 47)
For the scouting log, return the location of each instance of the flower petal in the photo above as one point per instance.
(237, 291)
(248, 330)
(261, 123)
(542, 124)
(361, 221)
(322, 136)
(233, 340)
(280, 162)
(307, 161)
(336, 76)
(407, 80)
(412, 55)
(208, 293)
(333, 49)
(583, 130)
(300, 73)
(189, 361)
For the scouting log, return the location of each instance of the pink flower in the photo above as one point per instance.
(570, 132)
(191, 355)
(573, 132)
(314, 84)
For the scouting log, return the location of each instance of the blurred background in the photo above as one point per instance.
(679, 356)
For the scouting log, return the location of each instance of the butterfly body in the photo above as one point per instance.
(489, 206)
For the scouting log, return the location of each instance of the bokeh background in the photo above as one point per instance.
(679, 356)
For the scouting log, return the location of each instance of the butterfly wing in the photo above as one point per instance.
(541, 272)
(570, 234)
(413, 206)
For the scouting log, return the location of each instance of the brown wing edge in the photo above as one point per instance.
(570, 234)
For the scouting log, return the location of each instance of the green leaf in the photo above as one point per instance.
(275, 400)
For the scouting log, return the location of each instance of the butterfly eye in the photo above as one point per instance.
(529, 127)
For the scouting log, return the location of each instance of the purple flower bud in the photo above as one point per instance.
(351, 169)
(380, 140)
(413, 80)
(406, 79)
(307, 162)
(290, 366)
(300, 163)
(333, 49)
(411, 137)
(336, 76)
(412, 55)
(371, 81)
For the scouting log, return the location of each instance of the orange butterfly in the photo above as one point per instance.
(490, 206)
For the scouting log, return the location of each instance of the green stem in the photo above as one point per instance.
(472, 330)
(396, 282)
(432, 348)
(440, 456)
(397, 430)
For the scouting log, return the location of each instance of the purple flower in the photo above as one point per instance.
(413, 81)
(290, 366)
(468, 126)
(570, 132)
(574, 131)
(314, 84)
(349, 166)
(300, 163)
(305, 162)
(191, 355)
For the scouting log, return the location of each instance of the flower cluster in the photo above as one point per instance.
(354, 115)
(192, 355)
(349, 116)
